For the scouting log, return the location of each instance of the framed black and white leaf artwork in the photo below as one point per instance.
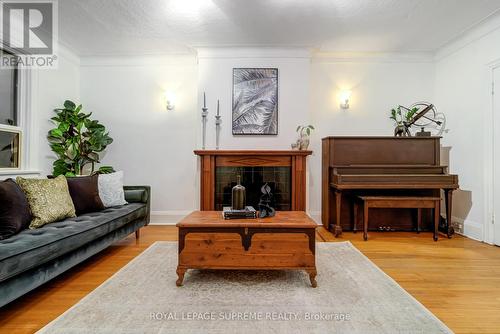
(255, 101)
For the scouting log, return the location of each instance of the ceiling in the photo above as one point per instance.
(145, 27)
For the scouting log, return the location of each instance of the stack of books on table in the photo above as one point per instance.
(248, 212)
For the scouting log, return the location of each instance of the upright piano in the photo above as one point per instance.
(388, 166)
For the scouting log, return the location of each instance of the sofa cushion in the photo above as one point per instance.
(85, 194)
(49, 199)
(14, 209)
(111, 189)
(31, 248)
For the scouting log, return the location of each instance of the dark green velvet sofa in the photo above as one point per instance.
(33, 257)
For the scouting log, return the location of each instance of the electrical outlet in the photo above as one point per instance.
(458, 226)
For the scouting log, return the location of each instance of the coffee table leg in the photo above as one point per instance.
(312, 277)
(180, 275)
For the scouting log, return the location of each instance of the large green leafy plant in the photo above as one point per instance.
(77, 141)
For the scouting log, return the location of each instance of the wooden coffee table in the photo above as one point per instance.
(284, 242)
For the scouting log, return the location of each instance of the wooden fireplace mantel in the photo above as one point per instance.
(211, 159)
(253, 152)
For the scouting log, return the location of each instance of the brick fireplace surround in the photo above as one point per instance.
(270, 160)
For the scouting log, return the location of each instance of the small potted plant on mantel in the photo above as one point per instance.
(304, 133)
(77, 141)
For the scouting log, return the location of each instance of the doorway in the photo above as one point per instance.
(496, 154)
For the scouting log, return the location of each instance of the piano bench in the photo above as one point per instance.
(399, 202)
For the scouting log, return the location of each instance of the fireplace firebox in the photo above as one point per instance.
(253, 178)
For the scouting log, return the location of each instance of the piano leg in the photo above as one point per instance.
(448, 200)
(419, 219)
(355, 217)
(365, 221)
(338, 203)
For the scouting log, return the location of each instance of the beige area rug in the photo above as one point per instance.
(353, 296)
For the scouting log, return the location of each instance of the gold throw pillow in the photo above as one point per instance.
(49, 200)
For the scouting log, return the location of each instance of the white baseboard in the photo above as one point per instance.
(316, 216)
(171, 213)
(472, 229)
(168, 217)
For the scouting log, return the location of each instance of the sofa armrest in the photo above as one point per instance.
(139, 194)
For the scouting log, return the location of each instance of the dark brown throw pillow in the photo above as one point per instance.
(84, 192)
(15, 213)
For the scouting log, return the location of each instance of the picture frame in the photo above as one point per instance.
(255, 101)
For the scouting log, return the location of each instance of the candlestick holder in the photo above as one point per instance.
(218, 122)
(204, 115)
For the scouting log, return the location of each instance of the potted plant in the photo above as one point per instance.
(304, 133)
(402, 118)
(77, 141)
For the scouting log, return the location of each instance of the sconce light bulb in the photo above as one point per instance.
(169, 100)
(344, 98)
(170, 106)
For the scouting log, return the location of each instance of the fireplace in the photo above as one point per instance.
(284, 171)
(253, 178)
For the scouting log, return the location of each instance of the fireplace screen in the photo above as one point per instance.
(253, 178)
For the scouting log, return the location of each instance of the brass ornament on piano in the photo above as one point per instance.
(420, 115)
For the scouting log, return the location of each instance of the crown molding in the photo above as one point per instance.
(469, 36)
(372, 57)
(137, 61)
(253, 52)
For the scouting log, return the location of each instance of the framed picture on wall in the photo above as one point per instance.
(255, 101)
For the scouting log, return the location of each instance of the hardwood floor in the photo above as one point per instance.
(457, 279)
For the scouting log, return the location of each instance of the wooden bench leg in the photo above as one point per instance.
(355, 218)
(365, 221)
(137, 234)
(437, 208)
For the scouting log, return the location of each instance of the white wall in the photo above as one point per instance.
(115, 89)
(463, 92)
(155, 147)
(215, 78)
(151, 145)
(378, 83)
(50, 89)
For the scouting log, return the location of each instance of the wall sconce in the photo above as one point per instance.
(344, 99)
(169, 100)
